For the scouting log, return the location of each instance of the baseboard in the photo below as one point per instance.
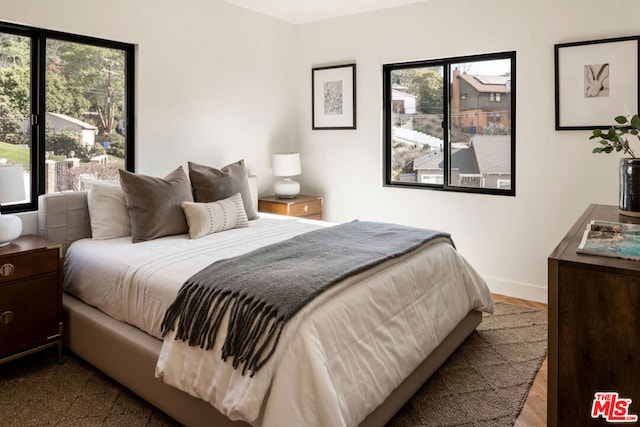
(518, 290)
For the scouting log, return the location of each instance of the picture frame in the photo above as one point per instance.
(595, 81)
(333, 97)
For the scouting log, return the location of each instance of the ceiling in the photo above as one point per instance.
(304, 11)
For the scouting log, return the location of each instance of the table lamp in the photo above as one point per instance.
(286, 165)
(11, 190)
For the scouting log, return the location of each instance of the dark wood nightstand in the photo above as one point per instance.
(301, 206)
(30, 297)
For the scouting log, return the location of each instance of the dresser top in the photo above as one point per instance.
(566, 249)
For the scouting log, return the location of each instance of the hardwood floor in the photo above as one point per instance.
(534, 412)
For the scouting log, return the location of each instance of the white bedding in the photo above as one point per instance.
(338, 358)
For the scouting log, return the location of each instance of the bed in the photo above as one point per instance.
(339, 365)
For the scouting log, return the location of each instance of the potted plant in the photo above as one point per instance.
(615, 139)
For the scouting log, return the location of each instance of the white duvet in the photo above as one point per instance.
(338, 358)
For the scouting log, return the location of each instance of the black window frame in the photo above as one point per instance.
(446, 63)
(39, 37)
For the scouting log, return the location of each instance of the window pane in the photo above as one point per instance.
(15, 105)
(85, 133)
(416, 118)
(480, 123)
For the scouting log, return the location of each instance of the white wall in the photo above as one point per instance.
(508, 239)
(213, 81)
(216, 83)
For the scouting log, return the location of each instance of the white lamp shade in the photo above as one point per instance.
(11, 190)
(286, 164)
(11, 183)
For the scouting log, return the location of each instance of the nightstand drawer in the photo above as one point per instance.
(18, 267)
(301, 206)
(308, 208)
(30, 297)
(28, 313)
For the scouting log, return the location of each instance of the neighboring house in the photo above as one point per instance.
(86, 131)
(477, 101)
(401, 101)
(485, 162)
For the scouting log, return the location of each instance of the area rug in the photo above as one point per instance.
(484, 383)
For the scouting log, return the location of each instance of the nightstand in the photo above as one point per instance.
(30, 297)
(301, 206)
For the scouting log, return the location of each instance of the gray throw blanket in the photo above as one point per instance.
(264, 288)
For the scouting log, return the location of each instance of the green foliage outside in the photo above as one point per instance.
(426, 84)
(82, 81)
(15, 154)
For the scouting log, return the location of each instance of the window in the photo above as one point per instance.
(66, 109)
(460, 135)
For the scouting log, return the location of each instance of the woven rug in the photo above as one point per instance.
(484, 383)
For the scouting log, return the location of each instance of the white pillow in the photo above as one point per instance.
(108, 211)
(208, 218)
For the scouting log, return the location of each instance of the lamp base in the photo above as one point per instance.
(287, 188)
(10, 229)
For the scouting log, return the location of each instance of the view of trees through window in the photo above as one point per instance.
(82, 110)
(15, 102)
(84, 122)
(448, 123)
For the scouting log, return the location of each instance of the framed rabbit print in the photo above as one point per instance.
(595, 81)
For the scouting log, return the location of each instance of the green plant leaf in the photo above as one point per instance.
(635, 121)
(621, 119)
(596, 133)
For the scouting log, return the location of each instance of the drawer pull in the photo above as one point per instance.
(6, 317)
(7, 270)
(306, 208)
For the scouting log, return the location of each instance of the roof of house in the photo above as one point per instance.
(463, 159)
(73, 121)
(487, 154)
(493, 153)
(397, 94)
(487, 83)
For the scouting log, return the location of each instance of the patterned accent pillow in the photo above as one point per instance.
(208, 218)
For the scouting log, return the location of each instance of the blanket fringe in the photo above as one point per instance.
(253, 330)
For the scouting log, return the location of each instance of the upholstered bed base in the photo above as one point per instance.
(129, 356)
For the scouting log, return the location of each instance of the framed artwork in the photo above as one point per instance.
(333, 97)
(596, 81)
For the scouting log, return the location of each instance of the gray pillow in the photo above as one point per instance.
(154, 204)
(211, 184)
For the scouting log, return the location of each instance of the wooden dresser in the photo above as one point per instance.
(301, 206)
(594, 327)
(30, 297)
